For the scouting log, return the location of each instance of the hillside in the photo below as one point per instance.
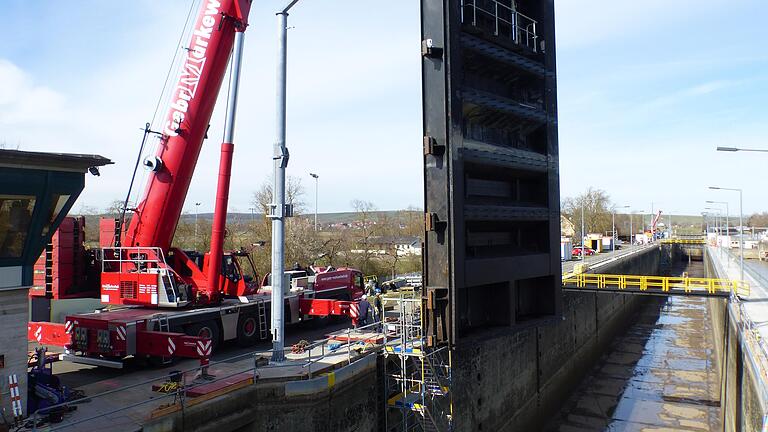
(322, 218)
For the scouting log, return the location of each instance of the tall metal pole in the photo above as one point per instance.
(583, 237)
(613, 230)
(669, 220)
(316, 177)
(741, 235)
(280, 158)
(741, 226)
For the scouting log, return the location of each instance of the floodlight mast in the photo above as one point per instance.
(278, 207)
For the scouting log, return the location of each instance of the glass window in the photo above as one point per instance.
(15, 218)
(58, 203)
(229, 269)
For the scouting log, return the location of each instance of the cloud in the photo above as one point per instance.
(353, 92)
(583, 23)
(710, 87)
(22, 101)
(682, 95)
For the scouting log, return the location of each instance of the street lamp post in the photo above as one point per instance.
(315, 176)
(278, 212)
(736, 149)
(669, 221)
(741, 226)
(727, 217)
(583, 237)
(718, 220)
(613, 225)
(197, 206)
(642, 223)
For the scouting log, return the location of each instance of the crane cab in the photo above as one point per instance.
(140, 276)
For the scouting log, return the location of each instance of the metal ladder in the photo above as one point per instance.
(162, 323)
(164, 326)
(262, 310)
(431, 382)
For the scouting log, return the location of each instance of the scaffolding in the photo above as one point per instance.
(418, 378)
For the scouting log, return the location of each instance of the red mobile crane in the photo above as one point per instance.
(655, 222)
(177, 303)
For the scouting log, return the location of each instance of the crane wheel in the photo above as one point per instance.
(247, 330)
(207, 329)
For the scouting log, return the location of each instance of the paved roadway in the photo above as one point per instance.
(94, 380)
(625, 249)
(77, 376)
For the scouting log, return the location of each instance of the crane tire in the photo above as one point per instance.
(209, 329)
(247, 330)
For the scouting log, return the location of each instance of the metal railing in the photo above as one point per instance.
(755, 345)
(502, 18)
(657, 284)
(684, 241)
(142, 258)
(185, 384)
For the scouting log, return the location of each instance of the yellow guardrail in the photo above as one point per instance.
(657, 284)
(684, 241)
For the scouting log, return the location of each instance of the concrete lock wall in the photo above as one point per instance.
(742, 397)
(517, 381)
(346, 401)
(503, 380)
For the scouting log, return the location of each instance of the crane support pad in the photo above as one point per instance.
(325, 307)
(48, 333)
(167, 344)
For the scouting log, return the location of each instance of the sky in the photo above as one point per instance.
(646, 92)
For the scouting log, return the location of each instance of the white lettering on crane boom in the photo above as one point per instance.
(192, 70)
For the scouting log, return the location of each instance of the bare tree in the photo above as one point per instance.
(758, 220)
(597, 211)
(294, 194)
(114, 209)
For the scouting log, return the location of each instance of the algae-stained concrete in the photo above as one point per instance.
(506, 380)
(659, 375)
(346, 403)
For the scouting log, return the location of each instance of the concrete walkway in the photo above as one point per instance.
(128, 408)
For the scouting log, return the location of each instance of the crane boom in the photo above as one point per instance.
(186, 123)
(655, 222)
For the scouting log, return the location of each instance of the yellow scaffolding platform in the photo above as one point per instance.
(659, 285)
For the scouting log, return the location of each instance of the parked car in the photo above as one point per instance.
(587, 251)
